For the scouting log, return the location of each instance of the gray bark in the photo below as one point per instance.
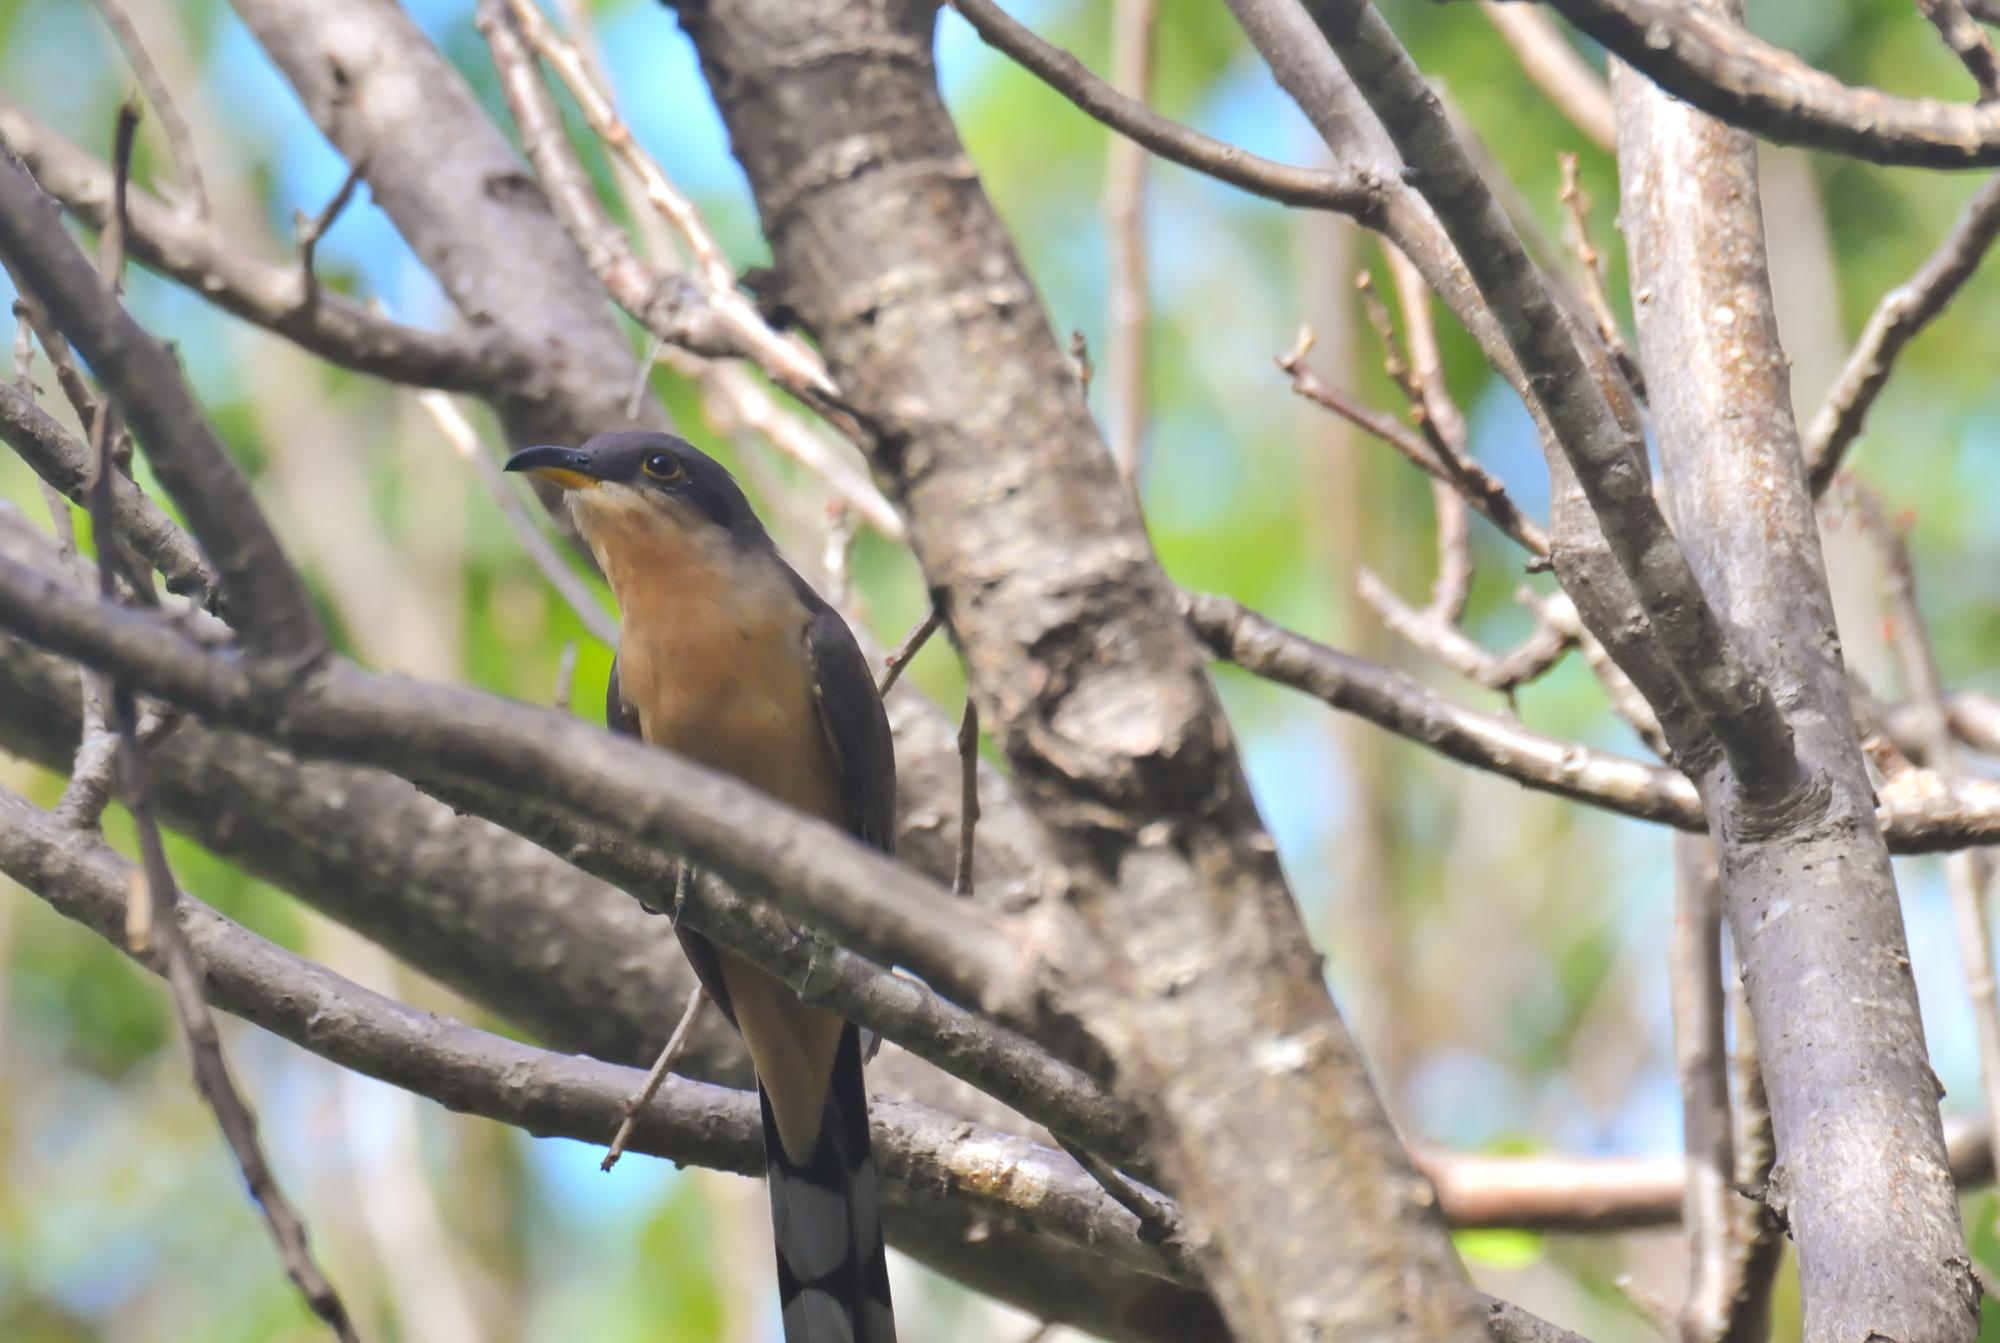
(1307, 1216)
(1861, 1172)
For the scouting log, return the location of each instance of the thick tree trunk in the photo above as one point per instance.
(1811, 900)
(1310, 1219)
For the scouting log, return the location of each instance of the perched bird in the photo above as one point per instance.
(729, 658)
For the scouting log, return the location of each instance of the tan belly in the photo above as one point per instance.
(737, 697)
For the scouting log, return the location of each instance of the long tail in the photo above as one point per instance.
(826, 1217)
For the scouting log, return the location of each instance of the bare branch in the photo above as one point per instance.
(1558, 614)
(1903, 312)
(1853, 1098)
(1159, 1219)
(1968, 41)
(924, 1155)
(912, 644)
(1443, 425)
(1337, 190)
(1745, 81)
(1406, 706)
(159, 927)
(1607, 455)
(927, 1154)
(180, 144)
(1758, 1239)
(717, 302)
(1489, 496)
(1702, 1060)
(968, 797)
(1919, 813)
(64, 463)
(670, 1055)
(1596, 297)
(807, 868)
(311, 228)
(1125, 229)
(193, 252)
(266, 599)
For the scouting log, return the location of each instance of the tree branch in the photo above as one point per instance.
(1862, 1175)
(64, 462)
(925, 1157)
(1745, 81)
(264, 596)
(706, 312)
(190, 249)
(1903, 312)
(1339, 190)
(1922, 813)
(457, 191)
(1607, 456)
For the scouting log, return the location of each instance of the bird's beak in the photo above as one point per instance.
(565, 467)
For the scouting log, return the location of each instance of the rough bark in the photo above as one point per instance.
(1811, 900)
(1303, 1205)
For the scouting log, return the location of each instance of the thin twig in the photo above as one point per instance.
(1701, 1059)
(642, 377)
(1159, 1219)
(1489, 497)
(1759, 1235)
(565, 676)
(837, 554)
(88, 791)
(1586, 432)
(464, 439)
(1968, 41)
(211, 265)
(676, 1046)
(1559, 613)
(912, 644)
(1346, 192)
(1903, 312)
(1505, 672)
(1125, 234)
(789, 360)
(180, 144)
(968, 796)
(211, 1073)
(1596, 294)
(312, 228)
(1431, 406)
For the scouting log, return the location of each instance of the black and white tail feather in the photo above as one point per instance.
(826, 1216)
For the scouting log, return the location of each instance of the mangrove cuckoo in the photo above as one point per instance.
(728, 657)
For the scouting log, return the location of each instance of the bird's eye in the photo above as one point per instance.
(664, 466)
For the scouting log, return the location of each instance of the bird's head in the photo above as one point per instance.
(640, 487)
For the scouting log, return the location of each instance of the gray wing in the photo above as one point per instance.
(855, 726)
(620, 717)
